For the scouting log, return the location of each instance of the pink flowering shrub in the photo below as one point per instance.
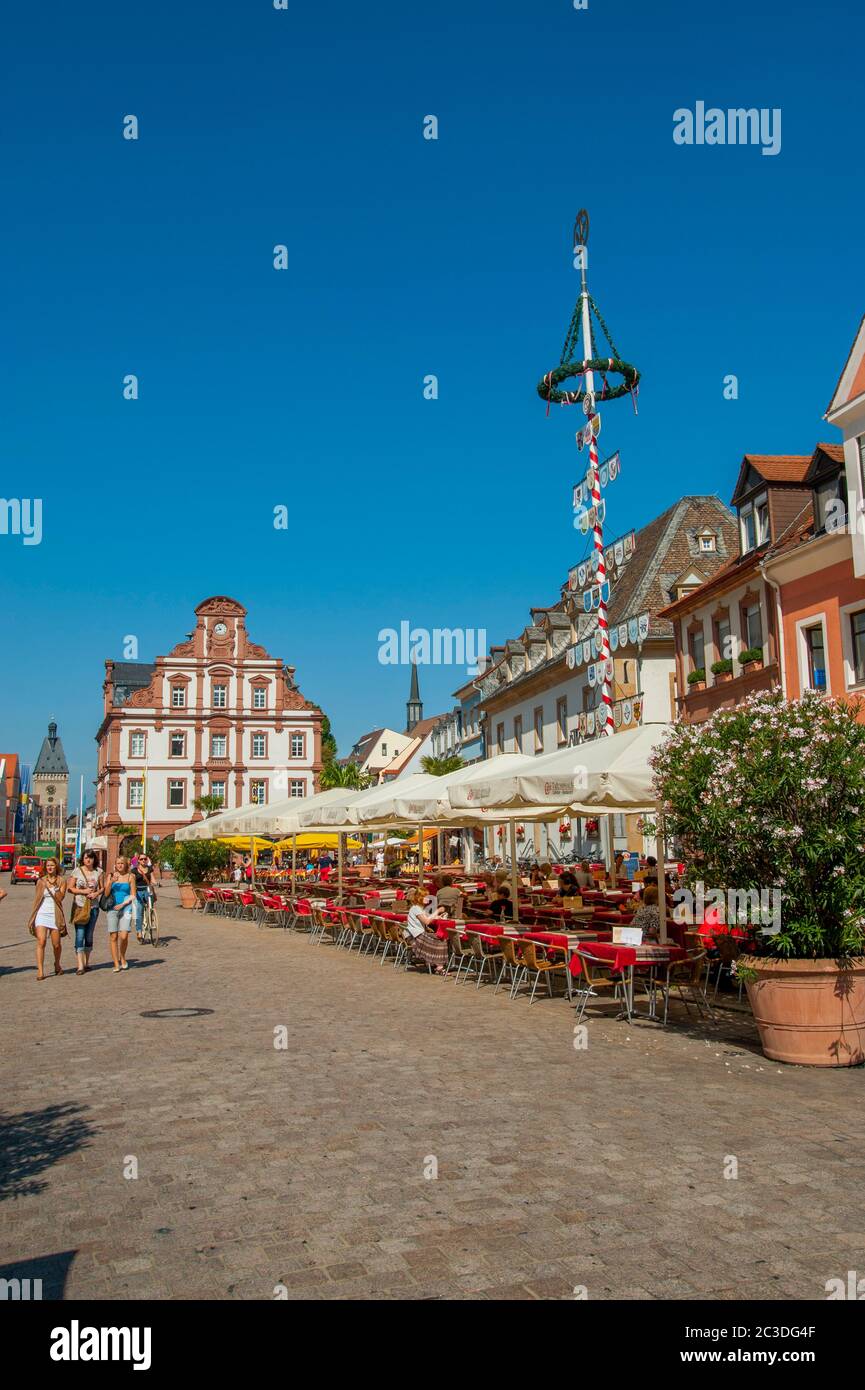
(772, 795)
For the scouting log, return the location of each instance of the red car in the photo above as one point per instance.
(7, 857)
(27, 869)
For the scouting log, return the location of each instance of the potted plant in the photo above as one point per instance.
(722, 670)
(697, 678)
(193, 862)
(751, 656)
(769, 799)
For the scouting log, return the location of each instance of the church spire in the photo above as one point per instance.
(414, 707)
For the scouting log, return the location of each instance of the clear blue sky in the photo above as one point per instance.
(406, 257)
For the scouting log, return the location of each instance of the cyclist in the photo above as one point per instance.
(142, 870)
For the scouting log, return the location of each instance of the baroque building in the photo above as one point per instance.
(218, 716)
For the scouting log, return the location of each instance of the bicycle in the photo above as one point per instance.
(150, 922)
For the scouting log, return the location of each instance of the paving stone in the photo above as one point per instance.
(306, 1168)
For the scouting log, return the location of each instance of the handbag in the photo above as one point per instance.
(81, 915)
(106, 902)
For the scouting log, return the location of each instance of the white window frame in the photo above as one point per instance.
(255, 739)
(173, 734)
(259, 697)
(293, 784)
(845, 614)
(220, 695)
(178, 697)
(130, 804)
(132, 737)
(253, 798)
(213, 752)
(802, 625)
(302, 736)
(176, 805)
(219, 782)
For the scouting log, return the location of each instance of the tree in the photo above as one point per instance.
(335, 774)
(770, 796)
(208, 804)
(440, 767)
(328, 742)
(193, 861)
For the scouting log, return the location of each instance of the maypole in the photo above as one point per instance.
(586, 366)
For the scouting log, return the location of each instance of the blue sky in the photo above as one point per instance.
(303, 388)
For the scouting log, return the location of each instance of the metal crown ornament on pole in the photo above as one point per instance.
(586, 366)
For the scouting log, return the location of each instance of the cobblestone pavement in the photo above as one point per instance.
(305, 1166)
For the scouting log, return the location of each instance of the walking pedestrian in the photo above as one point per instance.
(121, 888)
(47, 916)
(141, 872)
(85, 883)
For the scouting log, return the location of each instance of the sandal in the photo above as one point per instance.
(125, 965)
(58, 970)
(79, 972)
(116, 969)
(40, 977)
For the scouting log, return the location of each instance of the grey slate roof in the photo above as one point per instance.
(52, 760)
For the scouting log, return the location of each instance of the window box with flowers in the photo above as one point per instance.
(722, 670)
(751, 659)
(697, 679)
(770, 797)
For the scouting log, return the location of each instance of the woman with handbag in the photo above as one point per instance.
(117, 901)
(47, 916)
(86, 884)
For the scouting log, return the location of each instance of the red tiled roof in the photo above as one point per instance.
(780, 468)
(833, 451)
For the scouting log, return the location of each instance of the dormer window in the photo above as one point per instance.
(828, 515)
(708, 542)
(754, 523)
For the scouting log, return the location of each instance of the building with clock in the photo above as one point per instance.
(51, 786)
(217, 716)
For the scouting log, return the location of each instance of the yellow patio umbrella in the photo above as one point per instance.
(244, 842)
(314, 841)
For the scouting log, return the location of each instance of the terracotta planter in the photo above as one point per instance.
(187, 895)
(809, 1011)
(721, 677)
(752, 666)
(696, 685)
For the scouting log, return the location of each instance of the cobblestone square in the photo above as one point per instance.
(307, 1167)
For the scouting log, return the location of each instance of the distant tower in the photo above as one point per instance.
(50, 784)
(414, 708)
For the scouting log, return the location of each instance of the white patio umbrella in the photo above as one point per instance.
(608, 774)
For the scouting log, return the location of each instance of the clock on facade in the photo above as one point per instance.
(220, 629)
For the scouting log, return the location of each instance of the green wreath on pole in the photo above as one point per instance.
(549, 384)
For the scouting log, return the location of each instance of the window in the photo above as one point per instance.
(518, 734)
(135, 793)
(137, 745)
(258, 793)
(539, 728)
(297, 746)
(177, 745)
(177, 792)
(707, 543)
(761, 507)
(220, 696)
(562, 719)
(723, 645)
(384, 750)
(752, 626)
(746, 524)
(816, 654)
(827, 514)
(259, 745)
(218, 789)
(219, 745)
(259, 697)
(500, 738)
(861, 442)
(754, 523)
(697, 649)
(857, 634)
(297, 789)
(178, 697)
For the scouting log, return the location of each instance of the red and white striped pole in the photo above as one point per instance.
(606, 710)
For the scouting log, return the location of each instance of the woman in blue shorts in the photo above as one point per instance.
(121, 888)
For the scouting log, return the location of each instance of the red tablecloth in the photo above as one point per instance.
(621, 957)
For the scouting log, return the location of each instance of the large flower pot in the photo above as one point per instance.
(187, 895)
(809, 1011)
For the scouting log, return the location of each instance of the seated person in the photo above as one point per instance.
(536, 878)
(583, 875)
(449, 897)
(568, 885)
(501, 907)
(647, 916)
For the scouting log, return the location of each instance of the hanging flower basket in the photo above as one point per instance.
(565, 830)
(521, 832)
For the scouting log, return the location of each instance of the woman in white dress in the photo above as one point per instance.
(47, 916)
